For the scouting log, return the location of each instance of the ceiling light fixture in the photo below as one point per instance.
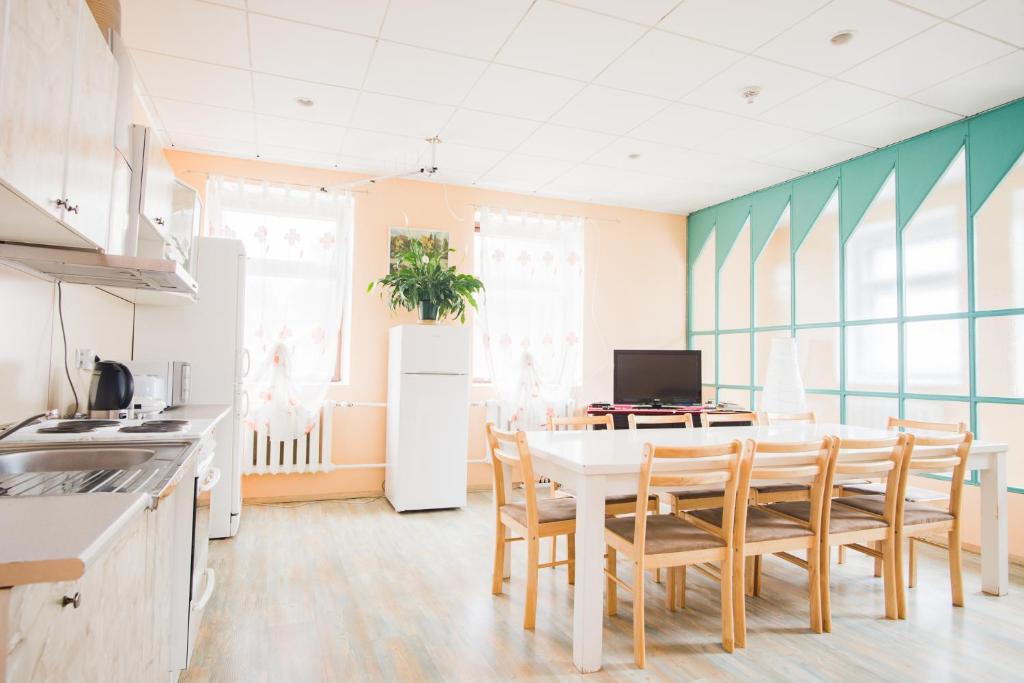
(634, 155)
(304, 101)
(751, 93)
(841, 38)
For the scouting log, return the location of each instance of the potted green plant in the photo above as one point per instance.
(424, 281)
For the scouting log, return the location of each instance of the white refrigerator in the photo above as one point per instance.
(208, 334)
(428, 417)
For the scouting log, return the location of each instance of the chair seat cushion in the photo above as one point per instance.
(665, 534)
(782, 488)
(913, 513)
(761, 524)
(843, 519)
(548, 510)
(913, 494)
(691, 494)
(625, 498)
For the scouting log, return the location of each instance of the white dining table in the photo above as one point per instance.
(595, 464)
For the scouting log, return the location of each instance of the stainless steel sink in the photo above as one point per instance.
(73, 459)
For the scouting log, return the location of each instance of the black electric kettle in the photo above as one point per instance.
(111, 389)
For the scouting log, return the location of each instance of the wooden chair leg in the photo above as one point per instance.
(554, 550)
(878, 563)
(612, 588)
(841, 559)
(657, 575)
(758, 562)
(749, 574)
(956, 577)
(814, 587)
(570, 540)
(912, 551)
(499, 558)
(681, 588)
(899, 583)
(670, 590)
(826, 599)
(532, 560)
(728, 633)
(639, 645)
(889, 577)
(739, 600)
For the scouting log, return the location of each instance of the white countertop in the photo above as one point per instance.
(54, 538)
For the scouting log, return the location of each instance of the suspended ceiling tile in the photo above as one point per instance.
(279, 96)
(561, 142)
(185, 79)
(685, 126)
(520, 92)
(981, 88)
(318, 137)
(607, 110)
(422, 74)
(299, 157)
(359, 16)
(389, 114)
(646, 157)
(567, 41)
(526, 170)
(393, 152)
(286, 48)
(646, 12)
(876, 26)
(466, 159)
(941, 8)
(474, 28)
(827, 105)
(1003, 19)
(205, 121)
(187, 28)
(739, 24)
(751, 139)
(777, 84)
(814, 152)
(939, 53)
(487, 130)
(665, 65)
(897, 121)
(199, 143)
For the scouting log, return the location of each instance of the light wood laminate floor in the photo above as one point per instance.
(352, 591)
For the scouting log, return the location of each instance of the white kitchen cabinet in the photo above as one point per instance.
(157, 192)
(57, 99)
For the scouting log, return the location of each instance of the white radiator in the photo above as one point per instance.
(263, 454)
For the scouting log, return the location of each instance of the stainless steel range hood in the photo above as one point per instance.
(103, 270)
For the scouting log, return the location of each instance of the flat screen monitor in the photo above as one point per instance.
(666, 377)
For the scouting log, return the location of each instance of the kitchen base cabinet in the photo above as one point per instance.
(119, 630)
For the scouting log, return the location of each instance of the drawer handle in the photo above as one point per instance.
(158, 221)
(74, 600)
(66, 205)
(211, 581)
(212, 477)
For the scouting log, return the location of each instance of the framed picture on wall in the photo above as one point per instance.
(433, 241)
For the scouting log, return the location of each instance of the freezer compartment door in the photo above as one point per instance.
(427, 460)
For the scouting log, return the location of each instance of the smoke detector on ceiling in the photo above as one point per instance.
(751, 93)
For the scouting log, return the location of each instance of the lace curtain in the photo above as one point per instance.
(530, 326)
(298, 244)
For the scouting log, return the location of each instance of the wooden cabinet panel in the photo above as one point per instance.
(158, 188)
(35, 91)
(90, 150)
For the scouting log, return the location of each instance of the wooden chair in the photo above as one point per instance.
(915, 520)
(761, 530)
(532, 519)
(776, 418)
(784, 491)
(650, 541)
(844, 525)
(709, 419)
(685, 419)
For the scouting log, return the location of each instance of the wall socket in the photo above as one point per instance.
(85, 359)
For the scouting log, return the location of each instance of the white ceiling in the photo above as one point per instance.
(626, 102)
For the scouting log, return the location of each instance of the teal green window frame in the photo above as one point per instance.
(977, 130)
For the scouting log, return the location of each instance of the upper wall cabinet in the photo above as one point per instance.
(58, 85)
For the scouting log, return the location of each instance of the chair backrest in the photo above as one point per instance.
(580, 422)
(920, 425)
(708, 419)
(872, 458)
(936, 454)
(695, 465)
(806, 462)
(685, 419)
(511, 449)
(775, 418)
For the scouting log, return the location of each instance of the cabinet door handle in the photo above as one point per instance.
(73, 600)
(66, 205)
(158, 221)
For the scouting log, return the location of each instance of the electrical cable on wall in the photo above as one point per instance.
(64, 337)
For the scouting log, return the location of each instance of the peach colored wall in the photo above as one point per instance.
(635, 297)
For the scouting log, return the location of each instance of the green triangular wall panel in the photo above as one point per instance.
(862, 178)
(810, 194)
(765, 209)
(996, 142)
(922, 161)
(698, 228)
(731, 218)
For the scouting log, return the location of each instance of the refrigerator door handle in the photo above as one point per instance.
(245, 403)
